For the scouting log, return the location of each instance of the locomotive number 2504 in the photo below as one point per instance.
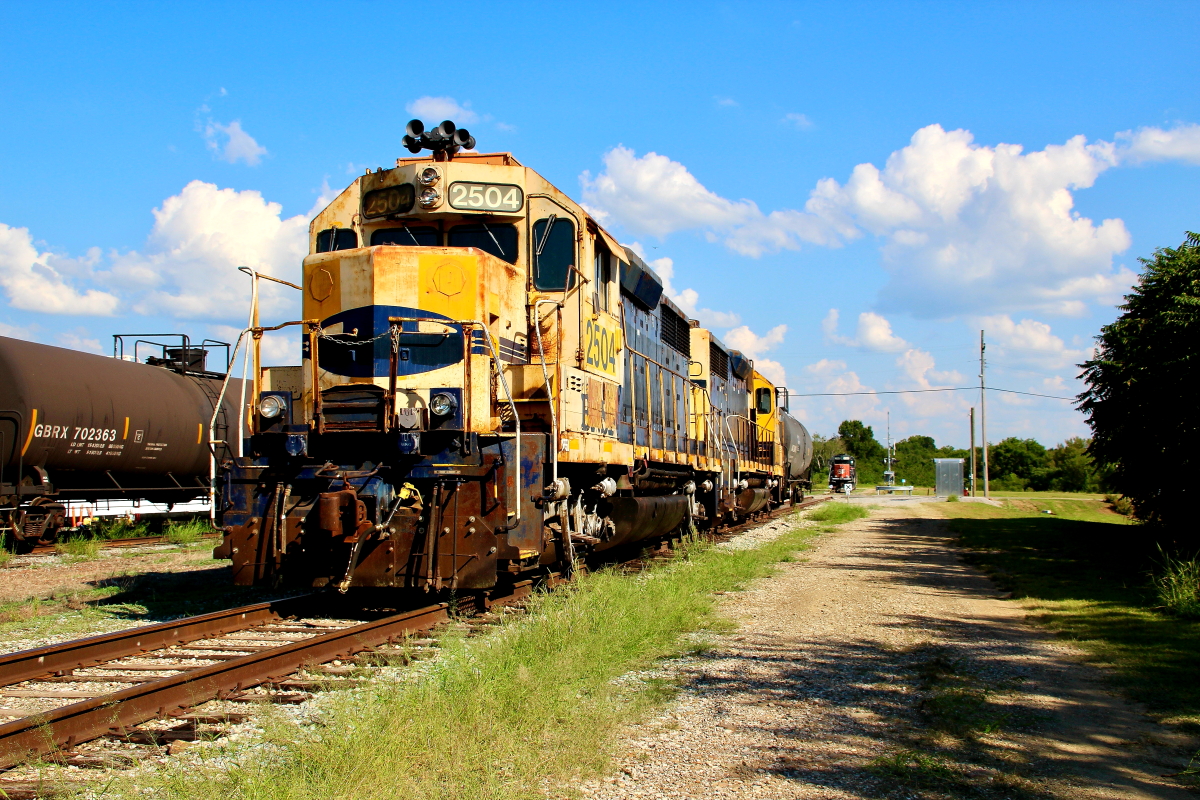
(600, 346)
(486, 196)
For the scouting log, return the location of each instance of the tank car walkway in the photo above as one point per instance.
(824, 690)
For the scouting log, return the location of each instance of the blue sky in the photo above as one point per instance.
(924, 169)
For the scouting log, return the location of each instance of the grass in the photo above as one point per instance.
(1088, 574)
(118, 528)
(836, 513)
(79, 548)
(5, 556)
(913, 769)
(187, 532)
(536, 703)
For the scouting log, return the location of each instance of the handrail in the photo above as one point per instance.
(550, 398)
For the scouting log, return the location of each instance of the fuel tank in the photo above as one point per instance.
(100, 427)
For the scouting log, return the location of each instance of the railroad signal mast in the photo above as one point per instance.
(889, 474)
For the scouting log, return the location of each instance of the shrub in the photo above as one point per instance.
(1178, 585)
(1120, 504)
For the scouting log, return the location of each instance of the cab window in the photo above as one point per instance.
(336, 239)
(762, 400)
(497, 239)
(553, 254)
(407, 236)
(602, 275)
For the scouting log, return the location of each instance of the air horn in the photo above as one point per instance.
(444, 139)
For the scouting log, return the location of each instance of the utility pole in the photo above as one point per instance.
(983, 413)
(972, 451)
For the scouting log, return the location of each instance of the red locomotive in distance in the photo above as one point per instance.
(842, 474)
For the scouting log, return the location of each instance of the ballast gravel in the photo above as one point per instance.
(820, 694)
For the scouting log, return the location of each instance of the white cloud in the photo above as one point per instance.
(918, 370)
(874, 333)
(35, 281)
(1028, 342)
(851, 398)
(657, 196)
(13, 332)
(188, 267)
(826, 366)
(1181, 143)
(753, 345)
(725, 102)
(964, 228)
(688, 300)
(432, 110)
(800, 121)
(79, 340)
(970, 227)
(233, 144)
(772, 371)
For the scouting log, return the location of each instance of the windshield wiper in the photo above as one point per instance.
(494, 239)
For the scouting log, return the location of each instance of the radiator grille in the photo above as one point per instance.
(675, 331)
(718, 361)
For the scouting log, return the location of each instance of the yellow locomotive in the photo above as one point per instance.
(490, 385)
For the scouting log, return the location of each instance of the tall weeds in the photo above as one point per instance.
(1178, 585)
(186, 532)
(78, 547)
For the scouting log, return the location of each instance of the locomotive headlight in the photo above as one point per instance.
(430, 197)
(442, 404)
(430, 176)
(271, 406)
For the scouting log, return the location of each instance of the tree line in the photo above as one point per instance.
(1014, 464)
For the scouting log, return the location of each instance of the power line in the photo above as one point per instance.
(919, 391)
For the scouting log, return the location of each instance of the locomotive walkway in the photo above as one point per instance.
(827, 689)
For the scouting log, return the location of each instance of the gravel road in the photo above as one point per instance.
(882, 666)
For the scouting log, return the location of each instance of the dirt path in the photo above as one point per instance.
(884, 667)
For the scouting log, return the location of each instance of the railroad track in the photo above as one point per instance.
(276, 652)
(139, 541)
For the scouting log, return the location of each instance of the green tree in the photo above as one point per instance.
(859, 441)
(1143, 418)
(1071, 468)
(914, 460)
(1015, 464)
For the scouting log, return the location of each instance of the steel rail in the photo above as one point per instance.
(114, 713)
(27, 665)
